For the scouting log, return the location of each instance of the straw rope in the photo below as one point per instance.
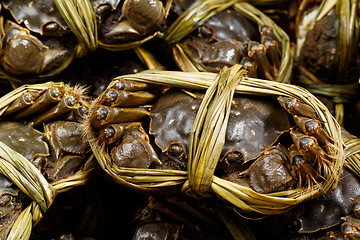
(347, 35)
(240, 196)
(80, 18)
(200, 11)
(29, 179)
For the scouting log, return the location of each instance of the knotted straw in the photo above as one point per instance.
(29, 179)
(347, 35)
(203, 182)
(202, 10)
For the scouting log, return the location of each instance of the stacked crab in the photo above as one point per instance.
(215, 118)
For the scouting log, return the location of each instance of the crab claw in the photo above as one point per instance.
(313, 127)
(308, 147)
(134, 151)
(25, 54)
(293, 106)
(269, 172)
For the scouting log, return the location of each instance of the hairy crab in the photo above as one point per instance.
(284, 135)
(316, 216)
(34, 38)
(227, 38)
(41, 124)
(179, 217)
(121, 23)
(324, 54)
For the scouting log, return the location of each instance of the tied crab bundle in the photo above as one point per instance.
(211, 34)
(326, 56)
(34, 48)
(118, 25)
(42, 152)
(265, 149)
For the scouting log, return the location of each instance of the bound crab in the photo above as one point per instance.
(35, 39)
(226, 38)
(334, 214)
(40, 125)
(180, 217)
(280, 142)
(320, 33)
(124, 25)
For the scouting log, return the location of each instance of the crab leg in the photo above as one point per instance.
(114, 132)
(267, 31)
(67, 103)
(308, 147)
(134, 151)
(301, 167)
(355, 205)
(257, 52)
(50, 96)
(293, 106)
(104, 115)
(250, 66)
(132, 85)
(114, 97)
(313, 127)
(272, 53)
(26, 99)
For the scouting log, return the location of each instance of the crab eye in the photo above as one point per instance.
(176, 150)
(233, 157)
(206, 31)
(52, 29)
(103, 10)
